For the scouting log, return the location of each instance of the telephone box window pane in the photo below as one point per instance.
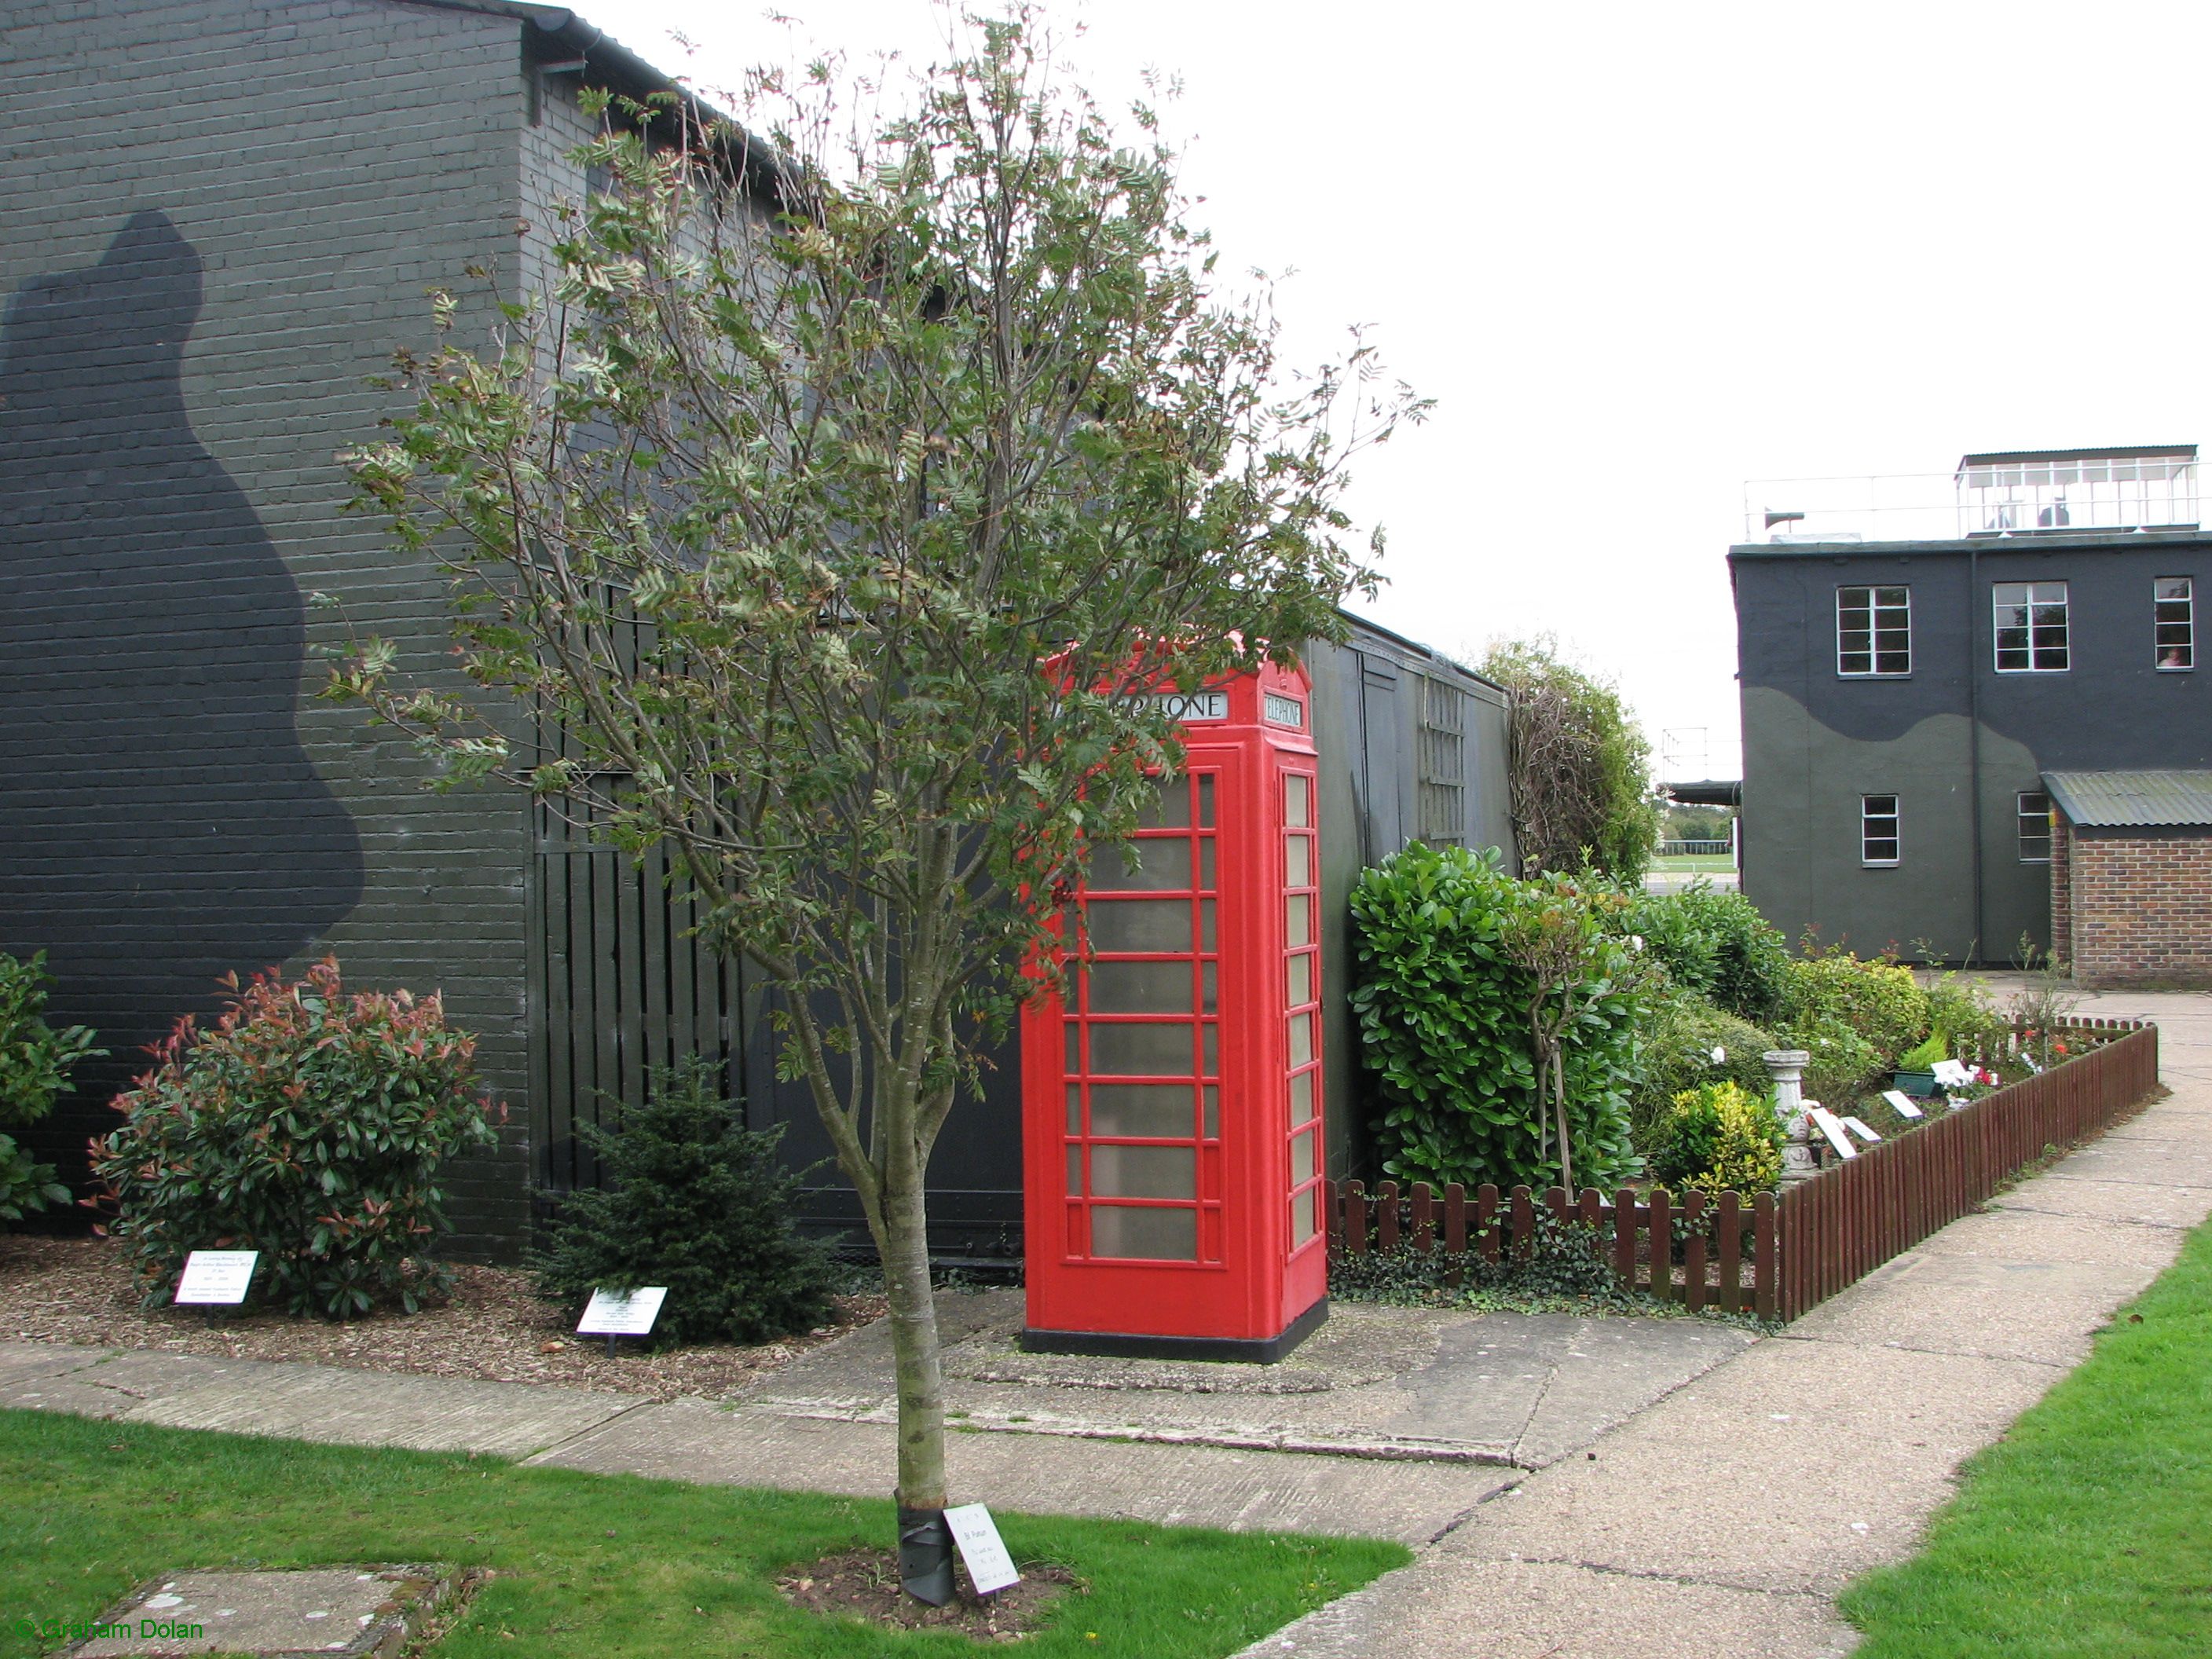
(1153, 1050)
(1297, 801)
(1074, 1066)
(1206, 865)
(1139, 925)
(1212, 1112)
(1302, 1158)
(1173, 812)
(1205, 925)
(1301, 978)
(1302, 1216)
(1206, 801)
(1075, 1108)
(1151, 1111)
(1298, 862)
(1298, 921)
(1301, 1039)
(1140, 988)
(1160, 864)
(1144, 1171)
(1075, 1172)
(1207, 998)
(1301, 1097)
(1212, 1067)
(1155, 1234)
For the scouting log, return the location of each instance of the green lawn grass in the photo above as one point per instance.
(1706, 864)
(2088, 1530)
(589, 1564)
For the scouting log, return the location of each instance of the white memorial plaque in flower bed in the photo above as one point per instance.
(609, 1315)
(1832, 1127)
(216, 1277)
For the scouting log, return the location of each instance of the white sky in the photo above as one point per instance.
(1641, 253)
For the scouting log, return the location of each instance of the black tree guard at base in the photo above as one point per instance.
(924, 1555)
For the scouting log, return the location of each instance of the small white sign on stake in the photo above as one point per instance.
(216, 1277)
(1951, 1074)
(609, 1315)
(1832, 1127)
(1859, 1128)
(1902, 1104)
(989, 1567)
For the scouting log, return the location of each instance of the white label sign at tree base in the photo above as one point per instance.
(1901, 1104)
(1858, 1127)
(989, 1567)
(216, 1277)
(1951, 1074)
(609, 1315)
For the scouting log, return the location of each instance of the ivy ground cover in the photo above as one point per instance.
(585, 1564)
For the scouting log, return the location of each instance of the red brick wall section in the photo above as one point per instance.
(2141, 908)
(2061, 893)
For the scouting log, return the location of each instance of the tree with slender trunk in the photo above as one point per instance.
(831, 521)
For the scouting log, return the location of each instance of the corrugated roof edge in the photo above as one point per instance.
(1428, 651)
(2122, 453)
(754, 164)
(2147, 797)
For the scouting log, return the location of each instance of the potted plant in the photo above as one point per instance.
(1916, 1067)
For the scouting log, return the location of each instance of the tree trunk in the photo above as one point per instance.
(924, 1547)
(1559, 1098)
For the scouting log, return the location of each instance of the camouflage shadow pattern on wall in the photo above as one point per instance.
(160, 823)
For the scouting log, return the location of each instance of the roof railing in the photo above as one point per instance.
(2044, 495)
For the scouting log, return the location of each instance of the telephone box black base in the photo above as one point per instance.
(1255, 1351)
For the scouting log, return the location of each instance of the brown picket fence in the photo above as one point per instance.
(1777, 1256)
(1717, 1269)
(1841, 1224)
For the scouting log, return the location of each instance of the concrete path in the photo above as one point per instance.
(301, 1402)
(1407, 1383)
(1389, 1422)
(1726, 1518)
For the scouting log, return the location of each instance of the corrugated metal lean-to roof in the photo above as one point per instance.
(2105, 800)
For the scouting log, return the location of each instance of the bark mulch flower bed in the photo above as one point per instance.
(78, 1290)
(864, 1583)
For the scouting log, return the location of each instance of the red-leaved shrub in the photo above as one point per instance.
(306, 1124)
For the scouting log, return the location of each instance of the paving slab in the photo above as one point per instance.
(1502, 1387)
(1794, 1468)
(1558, 1610)
(1936, 1302)
(1170, 1485)
(2062, 1193)
(299, 1402)
(366, 1613)
(2023, 1235)
(2171, 1161)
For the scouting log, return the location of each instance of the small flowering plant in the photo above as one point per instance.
(307, 1124)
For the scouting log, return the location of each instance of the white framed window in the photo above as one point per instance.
(2034, 808)
(2174, 607)
(2031, 627)
(1878, 829)
(1874, 632)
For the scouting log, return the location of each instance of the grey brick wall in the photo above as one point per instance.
(323, 161)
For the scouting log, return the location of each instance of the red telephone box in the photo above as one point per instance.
(1172, 1109)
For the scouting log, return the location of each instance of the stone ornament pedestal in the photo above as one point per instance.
(1787, 1067)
